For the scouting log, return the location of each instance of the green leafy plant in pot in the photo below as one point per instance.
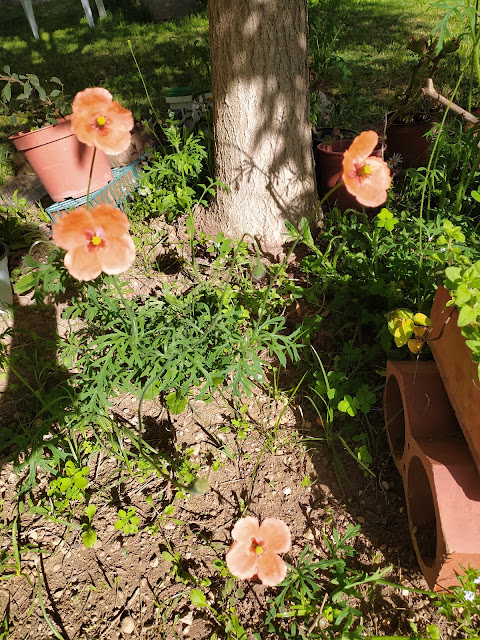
(407, 126)
(42, 131)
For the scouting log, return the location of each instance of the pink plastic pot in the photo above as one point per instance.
(62, 162)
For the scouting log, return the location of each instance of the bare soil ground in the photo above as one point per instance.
(89, 592)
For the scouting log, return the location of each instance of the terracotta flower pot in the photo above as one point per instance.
(62, 162)
(408, 139)
(329, 172)
(441, 481)
(458, 371)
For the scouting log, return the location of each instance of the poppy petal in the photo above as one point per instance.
(241, 562)
(276, 535)
(363, 145)
(90, 96)
(83, 264)
(380, 172)
(68, 232)
(245, 529)
(117, 256)
(122, 118)
(271, 569)
(112, 142)
(114, 222)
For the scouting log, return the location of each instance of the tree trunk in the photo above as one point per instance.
(263, 142)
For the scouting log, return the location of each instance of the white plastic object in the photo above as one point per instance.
(27, 7)
(88, 13)
(180, 104)
(101, 8)
(6, 298)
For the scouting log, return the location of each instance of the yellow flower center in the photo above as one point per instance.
(366, 170)
(258, 550)
(96, 240)
(101, 121)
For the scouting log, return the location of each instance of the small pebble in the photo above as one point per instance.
(287, 491)
(57, 568)
(188, 619)
(361, 519)
(154, 562)
(196, 450)
(385, 485)
(405, 592)
(128, 625)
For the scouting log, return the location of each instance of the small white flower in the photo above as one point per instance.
(469, 595)
(394, 161)
(477, 580)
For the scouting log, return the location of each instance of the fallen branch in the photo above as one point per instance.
(431, 93)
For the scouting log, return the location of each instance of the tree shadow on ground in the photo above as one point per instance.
(36, 392)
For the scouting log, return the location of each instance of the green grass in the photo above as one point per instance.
(371, 37)
(169, 53)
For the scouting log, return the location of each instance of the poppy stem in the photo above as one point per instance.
(127, 306)
(87, 203)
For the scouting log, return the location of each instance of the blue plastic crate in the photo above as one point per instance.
(125, 181)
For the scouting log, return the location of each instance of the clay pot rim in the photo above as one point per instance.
(323, 147)
(61, 123)
(344, 133)
(27, 140)
(418, 118)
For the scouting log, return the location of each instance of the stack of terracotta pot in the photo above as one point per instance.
(432, 414)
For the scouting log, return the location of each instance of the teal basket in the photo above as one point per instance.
(125, 181)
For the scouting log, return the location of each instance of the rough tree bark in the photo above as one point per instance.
(263, 147)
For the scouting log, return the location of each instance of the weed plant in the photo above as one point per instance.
(170, 183)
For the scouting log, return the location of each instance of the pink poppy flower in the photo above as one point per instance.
(256, 548)
(95, 241)
(365, 177)
(100, 122)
